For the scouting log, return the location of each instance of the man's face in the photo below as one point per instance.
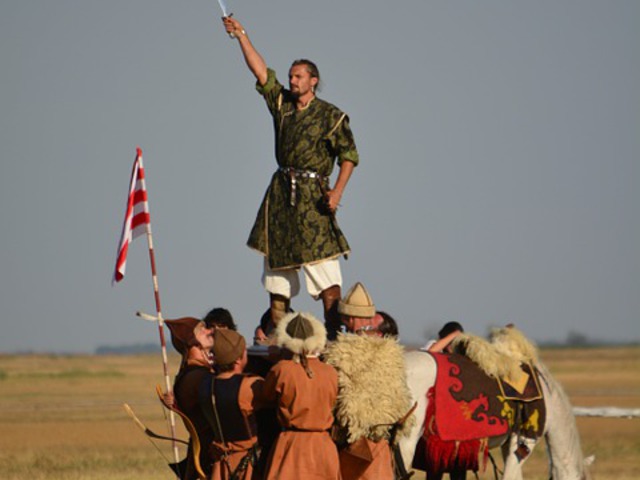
(300, 81)
(354, 324)
(204, 336)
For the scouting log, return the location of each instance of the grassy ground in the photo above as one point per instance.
(61, 417)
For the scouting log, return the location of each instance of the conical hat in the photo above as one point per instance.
(183, 333)
(357, 303)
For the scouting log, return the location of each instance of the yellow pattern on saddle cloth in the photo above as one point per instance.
(524, 388)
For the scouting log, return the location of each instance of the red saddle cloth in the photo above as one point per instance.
(462, 413)
(466, 407)
(467, 404)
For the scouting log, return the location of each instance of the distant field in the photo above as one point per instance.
(61, 417)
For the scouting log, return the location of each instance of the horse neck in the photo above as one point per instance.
(563, 439)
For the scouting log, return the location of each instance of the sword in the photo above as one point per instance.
(223, 7)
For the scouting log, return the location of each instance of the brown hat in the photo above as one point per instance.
(183, 334)
(357, 303)
(301, 333)
(228, 346)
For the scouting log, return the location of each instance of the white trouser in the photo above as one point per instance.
(318, 277)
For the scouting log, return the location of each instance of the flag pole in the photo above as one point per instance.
(156, 294)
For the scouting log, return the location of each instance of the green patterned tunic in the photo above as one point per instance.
(292, 232)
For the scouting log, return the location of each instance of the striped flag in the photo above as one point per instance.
(136, 220)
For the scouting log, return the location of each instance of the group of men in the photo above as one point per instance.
(296, 231)
(223, 402)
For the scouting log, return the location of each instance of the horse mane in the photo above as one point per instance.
(501, 355)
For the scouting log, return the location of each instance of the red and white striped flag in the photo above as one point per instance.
(136, 220)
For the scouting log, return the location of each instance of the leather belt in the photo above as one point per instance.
(302, 430)
(294, 175)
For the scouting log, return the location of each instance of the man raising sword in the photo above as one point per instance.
(295, 228)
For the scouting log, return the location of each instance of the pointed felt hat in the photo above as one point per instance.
(183, 334)
(357, 303)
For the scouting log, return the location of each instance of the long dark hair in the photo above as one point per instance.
(388, 326)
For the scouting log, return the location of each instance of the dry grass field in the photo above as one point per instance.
(61, 417)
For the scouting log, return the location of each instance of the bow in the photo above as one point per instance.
(195, 440)
(147, 431)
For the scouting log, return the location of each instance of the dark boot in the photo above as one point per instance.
(330, 297)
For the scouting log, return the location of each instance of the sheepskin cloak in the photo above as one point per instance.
(372, 385)
(372, 395)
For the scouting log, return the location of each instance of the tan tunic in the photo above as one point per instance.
(304, 449)
(249, 400)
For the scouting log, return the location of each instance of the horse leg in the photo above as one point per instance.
(512, 469)
(514, 453)
(421, 375)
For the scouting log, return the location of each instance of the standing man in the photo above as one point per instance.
(295, 227)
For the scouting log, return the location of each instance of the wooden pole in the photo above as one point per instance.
(156, 293)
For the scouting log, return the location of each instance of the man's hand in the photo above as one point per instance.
(333, 196)
(332, 199)
(233, 27)
(254, 60)
(169, 398)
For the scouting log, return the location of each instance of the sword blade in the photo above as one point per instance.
(223, 7)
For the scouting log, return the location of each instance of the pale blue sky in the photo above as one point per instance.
(499, 179)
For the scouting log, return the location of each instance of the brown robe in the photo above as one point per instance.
(185, 390)
(379, 468)
(304, 449)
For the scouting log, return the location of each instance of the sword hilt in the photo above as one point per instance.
(231, 34)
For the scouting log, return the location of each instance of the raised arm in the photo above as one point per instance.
(254, 60)
(442, 344)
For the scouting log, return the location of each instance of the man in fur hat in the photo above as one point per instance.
(305, 391)
(229, 401)
(193, 340)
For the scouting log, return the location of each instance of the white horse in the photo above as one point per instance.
(566, 461)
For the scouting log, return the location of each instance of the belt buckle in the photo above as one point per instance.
(292, 180)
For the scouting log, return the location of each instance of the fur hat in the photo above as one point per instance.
(228, 346)
(301, 333)
(183, 333)
(357, 303)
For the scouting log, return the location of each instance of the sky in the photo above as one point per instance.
(499, 145)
